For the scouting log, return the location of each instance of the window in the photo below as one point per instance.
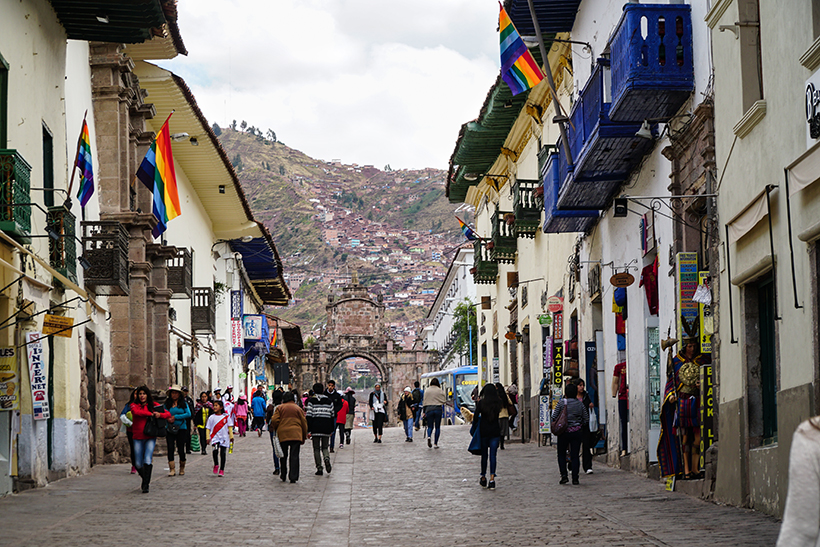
(48, 167)
(815, 19)
(760, 333)
(751, 68)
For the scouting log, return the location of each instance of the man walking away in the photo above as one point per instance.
(321, 421)
(259, 406)
(336, 397)
(418, 395)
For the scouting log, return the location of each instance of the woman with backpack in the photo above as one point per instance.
(487, 409)
(146, 413)
(568, 420)
(176, 436)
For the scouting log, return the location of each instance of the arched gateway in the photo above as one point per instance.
(355, 328)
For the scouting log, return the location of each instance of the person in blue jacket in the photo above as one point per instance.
(259, 405)
(177, 431)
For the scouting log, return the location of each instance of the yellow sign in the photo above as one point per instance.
(58, 325)
(9, 380)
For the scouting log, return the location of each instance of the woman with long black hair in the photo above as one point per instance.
(142, 409)
(202, 410)
(487, 409)
(176, 436)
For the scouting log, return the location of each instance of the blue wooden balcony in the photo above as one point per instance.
(557, 220)
(652, 62)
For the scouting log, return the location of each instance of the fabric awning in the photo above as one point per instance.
(748, 218)
(805, 171)
(264, 269)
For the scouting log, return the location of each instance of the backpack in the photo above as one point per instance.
(559, 425)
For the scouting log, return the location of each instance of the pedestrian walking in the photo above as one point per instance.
(801, 517)
(433, 402)
(512, 393)
(587, 440)
(143, 409)
(571, 439)
(259, 405)
(240, 415)
(202, 409)
(290, 424)
(341, 419)
(418, 395)
(378, 411)
(176, 432)
(336, 397)
(405, 411)
(504, 415)
(127, 418)
(275, 401)
(219, 430)
(351, 412)
(321, 421)
(189, 421)
(228, 398)
(487, 409)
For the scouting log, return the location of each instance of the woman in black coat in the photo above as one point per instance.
(487, 409)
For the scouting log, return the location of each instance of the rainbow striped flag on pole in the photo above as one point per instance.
(467, 231)
(518, 68)
(85, 165)
(157, 173)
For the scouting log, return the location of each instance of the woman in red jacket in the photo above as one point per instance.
(143, 408)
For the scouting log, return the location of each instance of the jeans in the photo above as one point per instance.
(276, 461)
(587, 445)
(408, 428)
(290, 460)
(320, 443)
(177, 442)
(222, 452)
(434, 421)
(623, 414)
(378, 423)
(489, 447)
(144, 452)
(417, 416)
(571, 441)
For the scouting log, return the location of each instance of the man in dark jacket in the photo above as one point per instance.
(336, 397)
(321, 421)
(418, 395)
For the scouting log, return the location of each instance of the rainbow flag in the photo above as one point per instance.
(85, 165)
(518, 68)
(157, 173)
(274, 338)
(467, 231)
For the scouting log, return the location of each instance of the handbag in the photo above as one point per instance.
(173, 427)
(559, 425)
(277, 447)
(593, 421)
(155, 427)
(475, 441)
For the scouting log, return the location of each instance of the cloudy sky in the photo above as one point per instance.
(365, 81)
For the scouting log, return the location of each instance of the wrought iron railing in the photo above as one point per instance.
(180, 274)
(15, 195)
(105, 248)
(62, 252)
(203, 310)
(484, 270)
(503, 245)
(528, 200)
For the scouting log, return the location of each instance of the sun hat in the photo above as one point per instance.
(407, 390)
(175, 387)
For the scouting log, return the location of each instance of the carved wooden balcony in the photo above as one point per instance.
(63, 252)
(503, 245)
(484, 270)
(203, 310)
(15, 198)
(528, 199)
(180, 274)
(105, 247)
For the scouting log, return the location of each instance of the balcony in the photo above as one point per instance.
(203, 310)
(15, 185)
(63, 252)
(604, 152)
(652, 62)
(180, 276)
(557, 221)
(484, 270)
(527, 203)
(503, 244)
(105, 247)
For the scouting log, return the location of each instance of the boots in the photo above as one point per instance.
(146, 477)
(172, 468)
(181, 468)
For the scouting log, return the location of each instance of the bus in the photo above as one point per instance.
(458, 383)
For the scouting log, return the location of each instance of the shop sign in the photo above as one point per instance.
(58, 325)
(812, 109)
(707, 409)
(547, 355)
(544, 414)
(236, 305)
(558, 364)
(622, 280)
(555, 304)
(236, 336)
(510, 335)
(558, 326)
(707, 323)
(545, 320)
(253, 327)
(37, 374)
(242, 375)
(9, 380)
(496, 375)
(687, 281)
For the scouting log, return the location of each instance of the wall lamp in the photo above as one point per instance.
(645, 132)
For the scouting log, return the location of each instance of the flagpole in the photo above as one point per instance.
(76, 156)
(561, 124)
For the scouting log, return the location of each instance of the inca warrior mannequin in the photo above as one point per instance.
(680, 414)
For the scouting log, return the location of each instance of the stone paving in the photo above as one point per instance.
(378, 494)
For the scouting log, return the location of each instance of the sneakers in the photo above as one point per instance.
(221, 473)
(275, 471)
(564, 480)
(410, 440)
(429, 442)
(133, 470)
(319, 472)
(259, 432)
(435, 446)
(588, 471)
(216, 469)
(483, 482)
(376, 440)
(575, 482)
(327, 465)
(341, 445)
(491, 485)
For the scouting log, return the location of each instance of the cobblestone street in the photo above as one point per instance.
(384, 494)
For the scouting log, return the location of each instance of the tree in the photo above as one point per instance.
(217, 129)
(271, 135)
(464, 321)
(243, 125)
(282, 170)
(233, 125)
(237, 162)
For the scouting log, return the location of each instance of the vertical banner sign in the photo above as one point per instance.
(37, 373)
(544, 414)
(687, 278)
(547, 354)
(558, 326)
(591, 365)
(558, 363)
(496, 376)
(707, 324)
(9, 382)
(236, 305)
(707, 409)
(236, 336)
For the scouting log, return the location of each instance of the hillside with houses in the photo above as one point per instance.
(394, 228)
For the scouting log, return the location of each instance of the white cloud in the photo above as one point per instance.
(367, 81)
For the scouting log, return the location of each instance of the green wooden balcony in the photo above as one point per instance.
(15, 186)
(503, 245)
(528, 200)
(484, 270)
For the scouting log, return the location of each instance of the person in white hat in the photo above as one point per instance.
(406, 413)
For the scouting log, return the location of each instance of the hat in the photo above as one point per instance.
(229, 387)
(175, 387)
(216, 389)
(349, 390)
(407, 390)
(242, 396)
(184, 388)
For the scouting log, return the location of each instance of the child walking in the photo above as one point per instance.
(220, 438)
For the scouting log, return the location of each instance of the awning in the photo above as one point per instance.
(552, 15)
(748, 218)
(293, 339)
(120, 21)
(264, 269)
(805, 171)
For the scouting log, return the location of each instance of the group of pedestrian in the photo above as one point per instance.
(575, 405)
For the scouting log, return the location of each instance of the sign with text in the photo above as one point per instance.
(547, 355)
(496, 376)
(37, 374)
(236, 336)
(623, 279)
(236, 305)
(558, 363)
(707, 323)
(558, 326)
(707, 409)
(687, 282)
(58, 325)
(9, 380)
(555, 304)
(253, 327)
(544, 414)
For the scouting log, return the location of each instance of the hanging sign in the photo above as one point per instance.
(37, 374)
(236, 336)
(558, 326)
(707, 409)
(555, 304)
(9, 381)
(544, 414)
(707, 322)
(253, 327)
(622, 280)
(496, 376)
(545, 320)
(243, 375)
(510, 335)
(236, 305)
(687, 281)
(58, 325)
(558, 363)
